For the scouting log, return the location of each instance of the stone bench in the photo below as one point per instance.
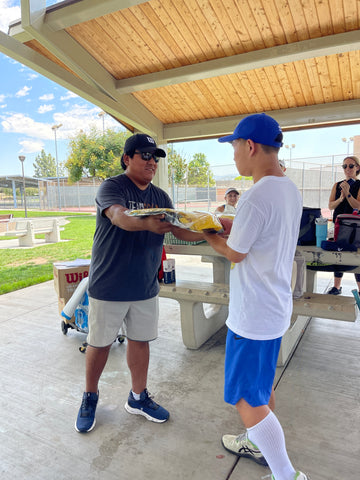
(198, 326)
(25, 230)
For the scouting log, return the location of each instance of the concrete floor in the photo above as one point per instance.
(42, 378)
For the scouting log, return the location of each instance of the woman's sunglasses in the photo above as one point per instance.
(148, 156)
(348, 166)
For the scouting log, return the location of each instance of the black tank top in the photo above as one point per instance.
(344, 206)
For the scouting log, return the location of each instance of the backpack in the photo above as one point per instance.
(347, 229)
(307, 233)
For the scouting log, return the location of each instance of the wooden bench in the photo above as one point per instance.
(25, 231)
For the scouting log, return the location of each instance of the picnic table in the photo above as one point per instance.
(197, 327)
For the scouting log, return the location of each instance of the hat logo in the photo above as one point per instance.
(151, 140)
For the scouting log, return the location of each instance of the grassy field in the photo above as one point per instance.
(22, 267)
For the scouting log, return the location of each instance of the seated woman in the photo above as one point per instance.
(231, 198)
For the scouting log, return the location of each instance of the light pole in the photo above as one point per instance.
(348, 141)
(55, 127)
(22, 159)
(102, 115)
(290, 147)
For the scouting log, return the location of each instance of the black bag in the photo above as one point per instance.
(347, 229)
(307, 233)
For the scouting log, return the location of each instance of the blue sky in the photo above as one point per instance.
(30, 104)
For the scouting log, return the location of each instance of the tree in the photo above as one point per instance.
(96, 154)
(44, 165)
(177, 166)
(199, 171)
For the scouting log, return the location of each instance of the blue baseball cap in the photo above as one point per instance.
(259, 128)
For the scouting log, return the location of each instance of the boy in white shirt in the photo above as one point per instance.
(261, 245)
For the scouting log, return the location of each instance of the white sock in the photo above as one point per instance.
(269, 437)
(135, 395)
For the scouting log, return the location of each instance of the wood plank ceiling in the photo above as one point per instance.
(197, 66)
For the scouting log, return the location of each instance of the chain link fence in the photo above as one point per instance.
(314, 178)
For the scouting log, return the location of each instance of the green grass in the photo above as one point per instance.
(22, 267)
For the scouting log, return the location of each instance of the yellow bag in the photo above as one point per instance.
(194, 221)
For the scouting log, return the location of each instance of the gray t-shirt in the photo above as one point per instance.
(124, 265)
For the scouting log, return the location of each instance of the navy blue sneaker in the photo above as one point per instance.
(86, 417)
(334, 291)
(146, 407)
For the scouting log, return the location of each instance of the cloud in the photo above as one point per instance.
(20, 123)
(8, 13)
(79, 117)
(31, 146)
(23, 92)
(3, 106)
(69, 95)
(2, 98)
(32, 76)
(46, 97)
(45, 108)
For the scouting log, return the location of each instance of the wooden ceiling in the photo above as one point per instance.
(186, 69)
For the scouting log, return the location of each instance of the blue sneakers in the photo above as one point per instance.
(86, 417)
(146, 407)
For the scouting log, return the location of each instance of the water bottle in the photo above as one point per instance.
(321, 230)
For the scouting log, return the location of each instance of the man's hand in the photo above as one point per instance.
(156, 224)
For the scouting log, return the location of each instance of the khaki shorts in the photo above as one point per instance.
(106, 318)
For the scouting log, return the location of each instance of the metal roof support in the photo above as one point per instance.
(329, 45)
(78, 60)
(129, 112)
(323, 115)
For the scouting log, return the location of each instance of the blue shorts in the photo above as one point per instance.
(250, 367)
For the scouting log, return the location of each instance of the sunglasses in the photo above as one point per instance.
(351, 165)
(148, 156)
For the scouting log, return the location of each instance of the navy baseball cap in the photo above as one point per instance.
(259, 128)
(142, 143)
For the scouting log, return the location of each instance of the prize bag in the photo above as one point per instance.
(347, 229)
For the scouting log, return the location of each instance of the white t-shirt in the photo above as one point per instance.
(229, 209)
(266, 227)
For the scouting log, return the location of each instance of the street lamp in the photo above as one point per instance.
(290, 147)
(22, 159)
(102, 115)
(348, 141)
(55, 127)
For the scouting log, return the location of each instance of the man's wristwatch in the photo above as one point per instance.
(349, 195)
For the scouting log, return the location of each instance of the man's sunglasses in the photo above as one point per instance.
(148, 156)
(348, 166)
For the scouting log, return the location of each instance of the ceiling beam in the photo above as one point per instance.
(71, 13)
(318, 47)
(78, 60)
(315, 116)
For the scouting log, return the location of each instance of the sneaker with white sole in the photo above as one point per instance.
(298, 476)
(146, 407)
(241, 446)
(85, 421)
